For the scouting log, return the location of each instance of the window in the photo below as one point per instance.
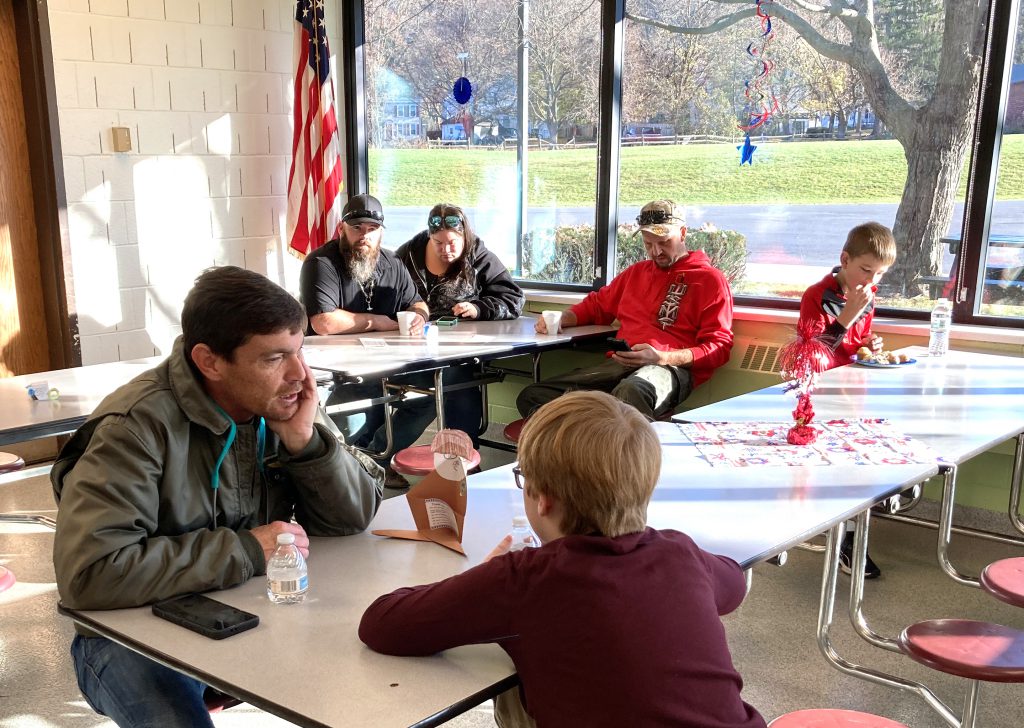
(833, 153)
(472, 158)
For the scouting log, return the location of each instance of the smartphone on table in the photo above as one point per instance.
(206, 616)
(447, 320)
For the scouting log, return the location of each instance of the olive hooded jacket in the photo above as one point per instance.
(139, 518)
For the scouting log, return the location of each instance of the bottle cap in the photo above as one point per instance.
(285, 538)
(520, 522)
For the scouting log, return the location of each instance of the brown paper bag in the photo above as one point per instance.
(438, 502)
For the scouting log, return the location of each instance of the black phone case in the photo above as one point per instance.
(618, 345)
(206, 616)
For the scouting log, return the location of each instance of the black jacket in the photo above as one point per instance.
(490, 288)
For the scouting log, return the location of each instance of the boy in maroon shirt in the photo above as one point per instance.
(841, 307)
(609, 623)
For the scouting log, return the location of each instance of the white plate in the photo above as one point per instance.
(877, 365)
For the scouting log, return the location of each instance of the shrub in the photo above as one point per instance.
(566, 254)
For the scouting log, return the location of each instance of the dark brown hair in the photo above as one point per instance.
(229, 305)
(464, 267)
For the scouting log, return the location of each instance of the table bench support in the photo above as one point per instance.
(826, 608)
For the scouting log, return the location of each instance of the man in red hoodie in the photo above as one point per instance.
(675, 311)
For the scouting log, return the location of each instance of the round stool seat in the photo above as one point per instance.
(1004, 579)
(419, 460)
(513, 430)
(6, 579)
(967, 648)
(830, 718)
(9, 462)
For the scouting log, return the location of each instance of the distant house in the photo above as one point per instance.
(398, 117)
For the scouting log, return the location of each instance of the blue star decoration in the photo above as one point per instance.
(747, 152)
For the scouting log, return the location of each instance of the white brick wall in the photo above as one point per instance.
(204, 87)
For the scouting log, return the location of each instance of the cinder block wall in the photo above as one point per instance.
(205, 89)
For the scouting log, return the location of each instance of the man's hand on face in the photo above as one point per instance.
(267, 536)
(640, 356)
(297, 430)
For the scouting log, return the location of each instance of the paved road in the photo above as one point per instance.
(790, 235)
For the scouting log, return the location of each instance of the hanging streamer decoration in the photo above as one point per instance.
(800, 362)
(761, 103)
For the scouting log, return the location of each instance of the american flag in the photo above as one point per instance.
(314, 180)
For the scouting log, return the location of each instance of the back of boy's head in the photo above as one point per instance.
(871, 238)
(598, 456)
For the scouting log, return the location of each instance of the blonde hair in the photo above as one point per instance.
(871, 238)
(598, 456)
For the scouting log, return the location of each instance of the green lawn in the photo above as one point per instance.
(791, 172)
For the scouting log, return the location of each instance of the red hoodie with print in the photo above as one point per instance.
(685, 306)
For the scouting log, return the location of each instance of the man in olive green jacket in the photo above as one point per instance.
(182, 479)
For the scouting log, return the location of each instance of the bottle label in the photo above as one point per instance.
(290, 586)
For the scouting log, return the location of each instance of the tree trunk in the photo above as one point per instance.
(841, 114)
(935, 156)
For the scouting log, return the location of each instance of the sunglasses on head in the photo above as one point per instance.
(452, 222)
(656, 217)
(364, 215)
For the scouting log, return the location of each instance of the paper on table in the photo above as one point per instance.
(373, 343)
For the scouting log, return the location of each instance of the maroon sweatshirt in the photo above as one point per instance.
(602, 631)
(685, 306)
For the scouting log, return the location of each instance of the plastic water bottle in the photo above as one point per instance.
(287, 579)
(522, 536)
(942, 320)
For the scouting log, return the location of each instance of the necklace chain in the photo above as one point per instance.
(367, 291)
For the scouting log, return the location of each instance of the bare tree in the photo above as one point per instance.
(934, 132)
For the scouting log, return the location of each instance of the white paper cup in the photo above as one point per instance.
(404, 322)
(552, 320)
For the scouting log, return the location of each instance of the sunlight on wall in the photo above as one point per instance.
(219, 136)
(176, 232)
(94, 259)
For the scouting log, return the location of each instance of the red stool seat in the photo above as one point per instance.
(513, 430)
(964, 647)
(419, 460)
(1004, 579)
(6, 579)
(829, 718)
(9, 462)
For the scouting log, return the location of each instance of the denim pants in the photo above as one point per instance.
(134, 691)
(463, 410)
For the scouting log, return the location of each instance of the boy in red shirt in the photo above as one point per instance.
(841, 306)
(609, 623)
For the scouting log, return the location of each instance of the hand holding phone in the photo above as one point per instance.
(618, 345)
(206, 616)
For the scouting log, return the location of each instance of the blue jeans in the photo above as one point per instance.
(133, 691)
(463, 410)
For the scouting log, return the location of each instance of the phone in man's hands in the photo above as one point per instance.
(618, 345)
(206, 616)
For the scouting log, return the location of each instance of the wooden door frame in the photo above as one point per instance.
(35, 59)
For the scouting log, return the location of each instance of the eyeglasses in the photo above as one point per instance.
(452, 222)
(656, 217)
(364, 214)
(518, 475)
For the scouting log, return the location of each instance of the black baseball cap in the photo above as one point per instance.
(363, 208)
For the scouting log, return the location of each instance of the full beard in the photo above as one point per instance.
(358, 264)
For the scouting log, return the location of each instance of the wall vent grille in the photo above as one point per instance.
(761, 358)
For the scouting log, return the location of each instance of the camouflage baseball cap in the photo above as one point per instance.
(660, 217)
